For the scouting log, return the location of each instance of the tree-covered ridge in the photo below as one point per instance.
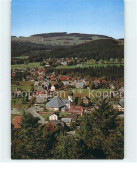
(97, 49)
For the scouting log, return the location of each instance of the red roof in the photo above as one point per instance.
(52, 78)
(76, 109)
(63, 78)
(40, 69)
(17, 121)
(96, 80)
(104, 81)
(78, 78)
(73, 79)
(41, 92)
(34, 73)
(13, 74)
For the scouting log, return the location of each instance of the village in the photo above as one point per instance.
(59, 99)
(67, 83)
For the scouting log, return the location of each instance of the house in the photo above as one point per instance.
(121, 102)
(88, 110)
(79, 64)
(53, 88)
(52, 78)
(64, 109)
(47, 64)
(80, 85)
(121, 92)
(70, 96)
(53, 117)
(17, 122)
(41, 98)
(36, 83)
(78, 78)
(97, 83)
(13, 74)
(63, 78)
(67, 121)
(76, 110)
(64, 63)
(45, 84)
(40, 88)
(112, 87)
(72, 116)
(104, 81)
(67, 103)
(15, 111)
(35, 73)
(41, 78)
(66, 82)
(119, 106)
(58, 123)
(39, 108)
(121, 116)
(40, 70)
(55, 104)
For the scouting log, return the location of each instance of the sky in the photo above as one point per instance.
(104, 17)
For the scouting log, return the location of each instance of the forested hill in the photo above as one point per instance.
(99, 49)
(77, 45)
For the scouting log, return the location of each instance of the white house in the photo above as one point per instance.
(53, 117)
(36, 83)
(52, 88)
(70, 96)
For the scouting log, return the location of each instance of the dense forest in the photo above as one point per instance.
(109, 72)
(27, 48)
(98, 49)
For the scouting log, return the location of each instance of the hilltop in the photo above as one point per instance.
(62, 38)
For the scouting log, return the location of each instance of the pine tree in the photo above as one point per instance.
(104, 117)
(66, 147)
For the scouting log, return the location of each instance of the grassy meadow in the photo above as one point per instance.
(84, 92)
(24, 66)
(24, 86)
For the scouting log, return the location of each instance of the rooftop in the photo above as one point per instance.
(17, 121)
(55, 102)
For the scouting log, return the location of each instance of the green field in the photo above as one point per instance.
(21, 57)
(24, 85)
(86, 66)
(46, 116)
(18, 103)
(37, 64)
(24, 66)
(84, 92)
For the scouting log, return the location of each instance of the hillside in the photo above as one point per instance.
(63, 39)
(99, 49)
(80, 45)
